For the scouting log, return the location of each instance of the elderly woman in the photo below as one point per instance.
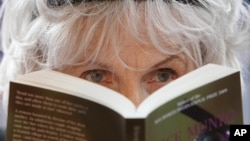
(131, 46)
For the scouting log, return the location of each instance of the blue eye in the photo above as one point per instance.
(158, 78)
(164, 75)
(96, 76)
(101, 76)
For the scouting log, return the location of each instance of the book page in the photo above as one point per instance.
(40, 114)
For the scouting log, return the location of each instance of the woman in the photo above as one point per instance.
(134, 47)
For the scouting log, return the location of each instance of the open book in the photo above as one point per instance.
(49, 105)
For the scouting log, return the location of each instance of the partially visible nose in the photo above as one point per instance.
(133, 90)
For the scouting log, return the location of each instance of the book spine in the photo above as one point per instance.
(135, 130)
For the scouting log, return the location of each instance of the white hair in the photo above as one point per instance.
(38, 34)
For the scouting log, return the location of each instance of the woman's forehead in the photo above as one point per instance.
(129, 53)
(134, 58)
(121, 35)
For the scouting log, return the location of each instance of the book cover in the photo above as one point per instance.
(203, 113)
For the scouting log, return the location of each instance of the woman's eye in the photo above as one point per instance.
(97, 76)
(100, 76)
(163, 75)
(158, 78)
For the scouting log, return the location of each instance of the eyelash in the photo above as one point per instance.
(171, 75)
(88, 75)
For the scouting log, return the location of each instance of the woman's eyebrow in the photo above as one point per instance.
(97, 64)
(169, 59)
